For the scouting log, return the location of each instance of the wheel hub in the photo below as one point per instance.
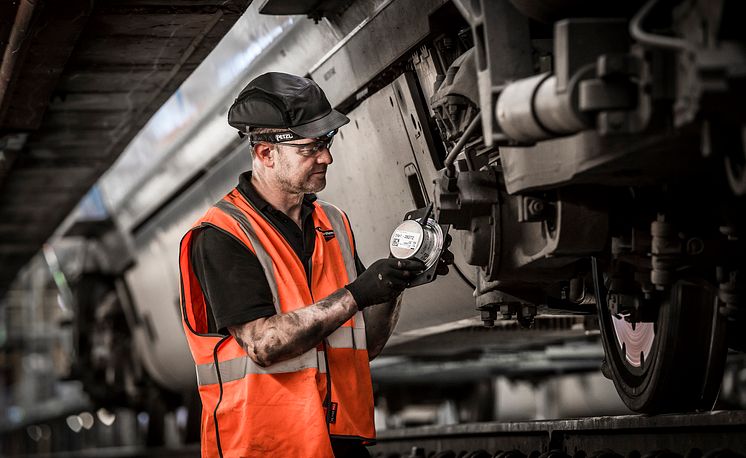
(635, 339)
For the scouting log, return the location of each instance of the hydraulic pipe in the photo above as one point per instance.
(462, 141)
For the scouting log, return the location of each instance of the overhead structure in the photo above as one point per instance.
(78, 80)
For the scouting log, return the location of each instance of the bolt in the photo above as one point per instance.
(506, 312)
(488, 317)
(535, 207)
(695, 246)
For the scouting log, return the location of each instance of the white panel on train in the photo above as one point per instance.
(368, 181)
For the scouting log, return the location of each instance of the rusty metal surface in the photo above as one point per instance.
(86, 77)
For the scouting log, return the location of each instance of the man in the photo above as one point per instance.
(280, 315)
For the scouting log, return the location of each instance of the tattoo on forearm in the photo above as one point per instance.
(287, 335)
(240, 341)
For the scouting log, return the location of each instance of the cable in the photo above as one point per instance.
(462, 141)
(653, 40)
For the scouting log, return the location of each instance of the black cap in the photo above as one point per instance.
(280, 100)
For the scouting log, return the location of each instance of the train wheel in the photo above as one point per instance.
(673, 363)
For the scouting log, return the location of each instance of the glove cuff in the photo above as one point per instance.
(357, 295)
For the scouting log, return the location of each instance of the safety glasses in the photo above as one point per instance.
(311, 149)
(306, 149)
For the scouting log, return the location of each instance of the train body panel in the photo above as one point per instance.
(369, 181)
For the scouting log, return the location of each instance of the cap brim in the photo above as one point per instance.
(320, 127)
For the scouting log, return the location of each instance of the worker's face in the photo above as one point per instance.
(299, 170)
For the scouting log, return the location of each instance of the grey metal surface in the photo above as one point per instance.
(587, 157)
(501, 39)
(368, 181)
(87, 79)
(369, 48)
(315, 9)
(427, 156)
(154, 280)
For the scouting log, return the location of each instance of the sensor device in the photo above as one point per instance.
(420, 237)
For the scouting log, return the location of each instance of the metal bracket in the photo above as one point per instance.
(503, 48)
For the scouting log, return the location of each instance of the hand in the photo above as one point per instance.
(446, 258)
(383, 281)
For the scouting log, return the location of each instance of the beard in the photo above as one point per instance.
(302, 185)
(299, 183)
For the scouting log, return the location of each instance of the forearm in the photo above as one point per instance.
(380, 321)
(284, 336)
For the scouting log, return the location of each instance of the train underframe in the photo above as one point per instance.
(601, 160)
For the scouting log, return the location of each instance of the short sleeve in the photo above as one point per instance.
(231, 277)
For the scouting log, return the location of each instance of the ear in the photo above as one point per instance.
(265, 153)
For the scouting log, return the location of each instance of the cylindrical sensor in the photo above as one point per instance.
(413, 240)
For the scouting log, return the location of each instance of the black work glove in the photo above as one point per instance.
(383, 281)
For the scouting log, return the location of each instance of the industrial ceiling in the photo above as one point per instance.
(78, 80)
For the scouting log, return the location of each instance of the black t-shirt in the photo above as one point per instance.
(232, 279)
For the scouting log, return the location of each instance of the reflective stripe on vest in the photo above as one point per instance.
(238, 368)
(347, 337)
(261, 253)
(342, 336)
(340, 230)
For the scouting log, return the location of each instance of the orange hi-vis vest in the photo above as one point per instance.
(293, 407)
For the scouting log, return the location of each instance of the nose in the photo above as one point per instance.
(325, 157)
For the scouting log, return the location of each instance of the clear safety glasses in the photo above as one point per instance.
(311, 149)
(306, 149)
